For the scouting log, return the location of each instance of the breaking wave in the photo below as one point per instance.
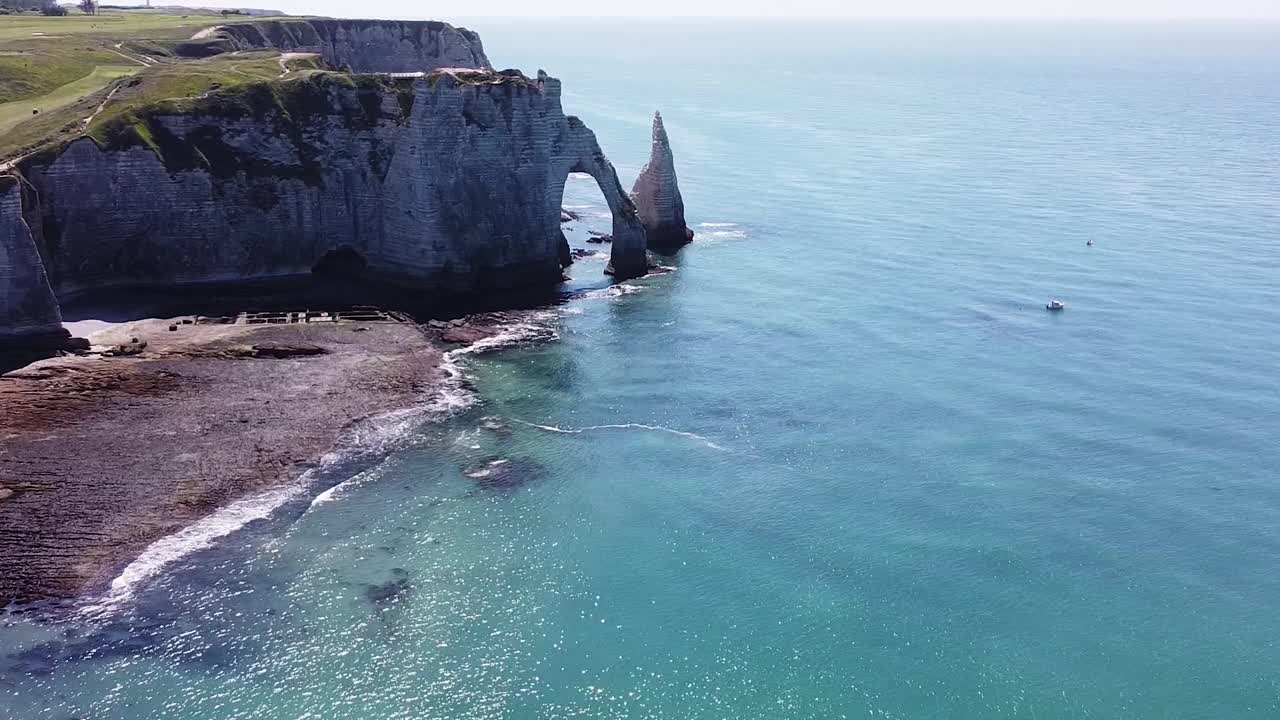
(612, 291)
(198, 536)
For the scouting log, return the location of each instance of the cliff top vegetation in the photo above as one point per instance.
(56, 71)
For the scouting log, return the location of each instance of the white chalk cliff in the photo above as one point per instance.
(442, 184)
(367, 46)
(28, 311)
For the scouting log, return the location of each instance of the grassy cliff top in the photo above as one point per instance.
(108, 76)
(472, 76)
(39, 54)
(159, 85)
(53, 69)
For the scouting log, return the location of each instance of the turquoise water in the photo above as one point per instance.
(841, 462)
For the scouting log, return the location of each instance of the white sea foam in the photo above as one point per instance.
(612, 291)
(198, 536)
(534, 327)
(624, 426)
(717, 224)
(343, 487)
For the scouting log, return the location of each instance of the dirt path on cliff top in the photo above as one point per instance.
(100, 456)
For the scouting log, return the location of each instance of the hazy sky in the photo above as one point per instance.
(865, 8)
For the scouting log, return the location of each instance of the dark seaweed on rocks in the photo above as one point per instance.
(391, 592)
(506, 474)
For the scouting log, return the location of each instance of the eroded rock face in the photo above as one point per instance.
(29, 313)
(445, 184)
(366, 46)
(657, 195)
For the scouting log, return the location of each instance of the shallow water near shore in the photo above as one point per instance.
(841, 462)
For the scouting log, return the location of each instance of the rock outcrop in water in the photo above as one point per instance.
(366, 46)
(29, 314)
(657, 195)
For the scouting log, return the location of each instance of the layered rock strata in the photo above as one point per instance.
(657, 195)
(363, 46)
(450, 183)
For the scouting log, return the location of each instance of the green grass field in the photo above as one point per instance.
(67, 66)
(12, 113)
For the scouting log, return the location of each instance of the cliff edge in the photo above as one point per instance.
(450, 183)
(363, 46)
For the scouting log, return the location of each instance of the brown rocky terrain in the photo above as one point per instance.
(100, 455)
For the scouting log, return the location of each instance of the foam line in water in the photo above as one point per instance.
(624, 426)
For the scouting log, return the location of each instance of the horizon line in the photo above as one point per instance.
(231, 5)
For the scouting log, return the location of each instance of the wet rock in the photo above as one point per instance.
(599, 237)
(495, 424)
(506, 474)
(465, 334)
(568, 216)
(390, 592)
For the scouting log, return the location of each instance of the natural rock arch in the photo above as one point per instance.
(629, 256)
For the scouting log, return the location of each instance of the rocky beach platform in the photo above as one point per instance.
(166, 420)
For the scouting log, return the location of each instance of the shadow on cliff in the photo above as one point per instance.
(338, 283)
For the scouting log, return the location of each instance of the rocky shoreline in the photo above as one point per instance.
(169, 420)
(403, 170)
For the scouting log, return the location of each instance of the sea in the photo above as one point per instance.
(839, 461)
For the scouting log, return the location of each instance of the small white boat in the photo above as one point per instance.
(1055, 305)
(1090, 243)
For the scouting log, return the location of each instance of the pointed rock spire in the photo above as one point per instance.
(657, 195)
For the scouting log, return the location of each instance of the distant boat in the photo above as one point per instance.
(1055, 305)
(1090, 243)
